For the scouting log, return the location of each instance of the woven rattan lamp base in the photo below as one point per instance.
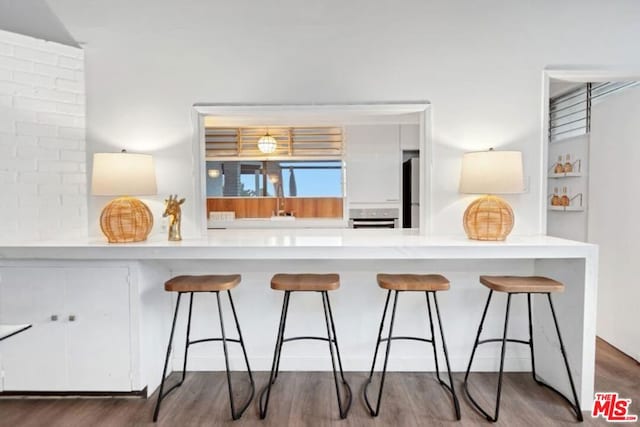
(125, 220)
(488, 218)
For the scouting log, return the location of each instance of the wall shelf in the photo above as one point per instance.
(564, 175)
(567, 208)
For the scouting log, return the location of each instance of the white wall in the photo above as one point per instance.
(613, 216)
(479, 63)
(42, 146)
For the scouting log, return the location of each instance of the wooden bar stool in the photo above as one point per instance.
(191, 285)
(429, 284)
(520, 285)
(307, 283)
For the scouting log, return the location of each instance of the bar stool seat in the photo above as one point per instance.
(305, 282)
(206, 283)
(413, 282)
(520, 284)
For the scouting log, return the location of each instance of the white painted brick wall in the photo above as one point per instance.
(42, 140)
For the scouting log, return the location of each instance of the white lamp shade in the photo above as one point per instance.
(492, 172)
(123, 174)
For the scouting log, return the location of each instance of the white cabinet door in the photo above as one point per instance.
(97, 326)
(373, 164)
(34, 360)
(80, 339)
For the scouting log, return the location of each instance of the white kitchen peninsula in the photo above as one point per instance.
(105, 293)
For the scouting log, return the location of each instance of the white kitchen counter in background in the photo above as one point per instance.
(283, 222)
(115, 292)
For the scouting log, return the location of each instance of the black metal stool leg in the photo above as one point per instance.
(502, 353)
(246, 358)
(166, 362)
(475, 346)
(226, 359)
(375, 352)
(333, 340)
(186, 345)
(266, 392)
(386, 358)
(576, 406)
(531, 347)
(433, 337)
(284, 327)
(450, 387)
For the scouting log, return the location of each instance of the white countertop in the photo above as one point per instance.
(304, 244)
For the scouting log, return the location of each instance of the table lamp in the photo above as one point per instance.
(125, 219)
(490, 172)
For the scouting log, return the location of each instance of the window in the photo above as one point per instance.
(317, 178)
(570, 112)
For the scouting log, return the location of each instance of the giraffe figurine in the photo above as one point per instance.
(173, 211)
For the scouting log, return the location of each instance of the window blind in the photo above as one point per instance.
(570, 112)
(604, 89)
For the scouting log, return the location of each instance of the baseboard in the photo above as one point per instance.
(136, 393)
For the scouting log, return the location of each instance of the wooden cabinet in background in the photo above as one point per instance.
(264, 207)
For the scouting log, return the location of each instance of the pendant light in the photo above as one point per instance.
(267, 143)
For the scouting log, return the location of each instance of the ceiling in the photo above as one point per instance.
(33, 18)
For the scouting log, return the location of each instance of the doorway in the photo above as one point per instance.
(602, 162)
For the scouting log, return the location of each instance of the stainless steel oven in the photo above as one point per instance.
(374, 218)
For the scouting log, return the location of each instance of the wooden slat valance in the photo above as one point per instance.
(315, 142)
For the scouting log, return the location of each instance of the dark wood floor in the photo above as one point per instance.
(308, 399)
